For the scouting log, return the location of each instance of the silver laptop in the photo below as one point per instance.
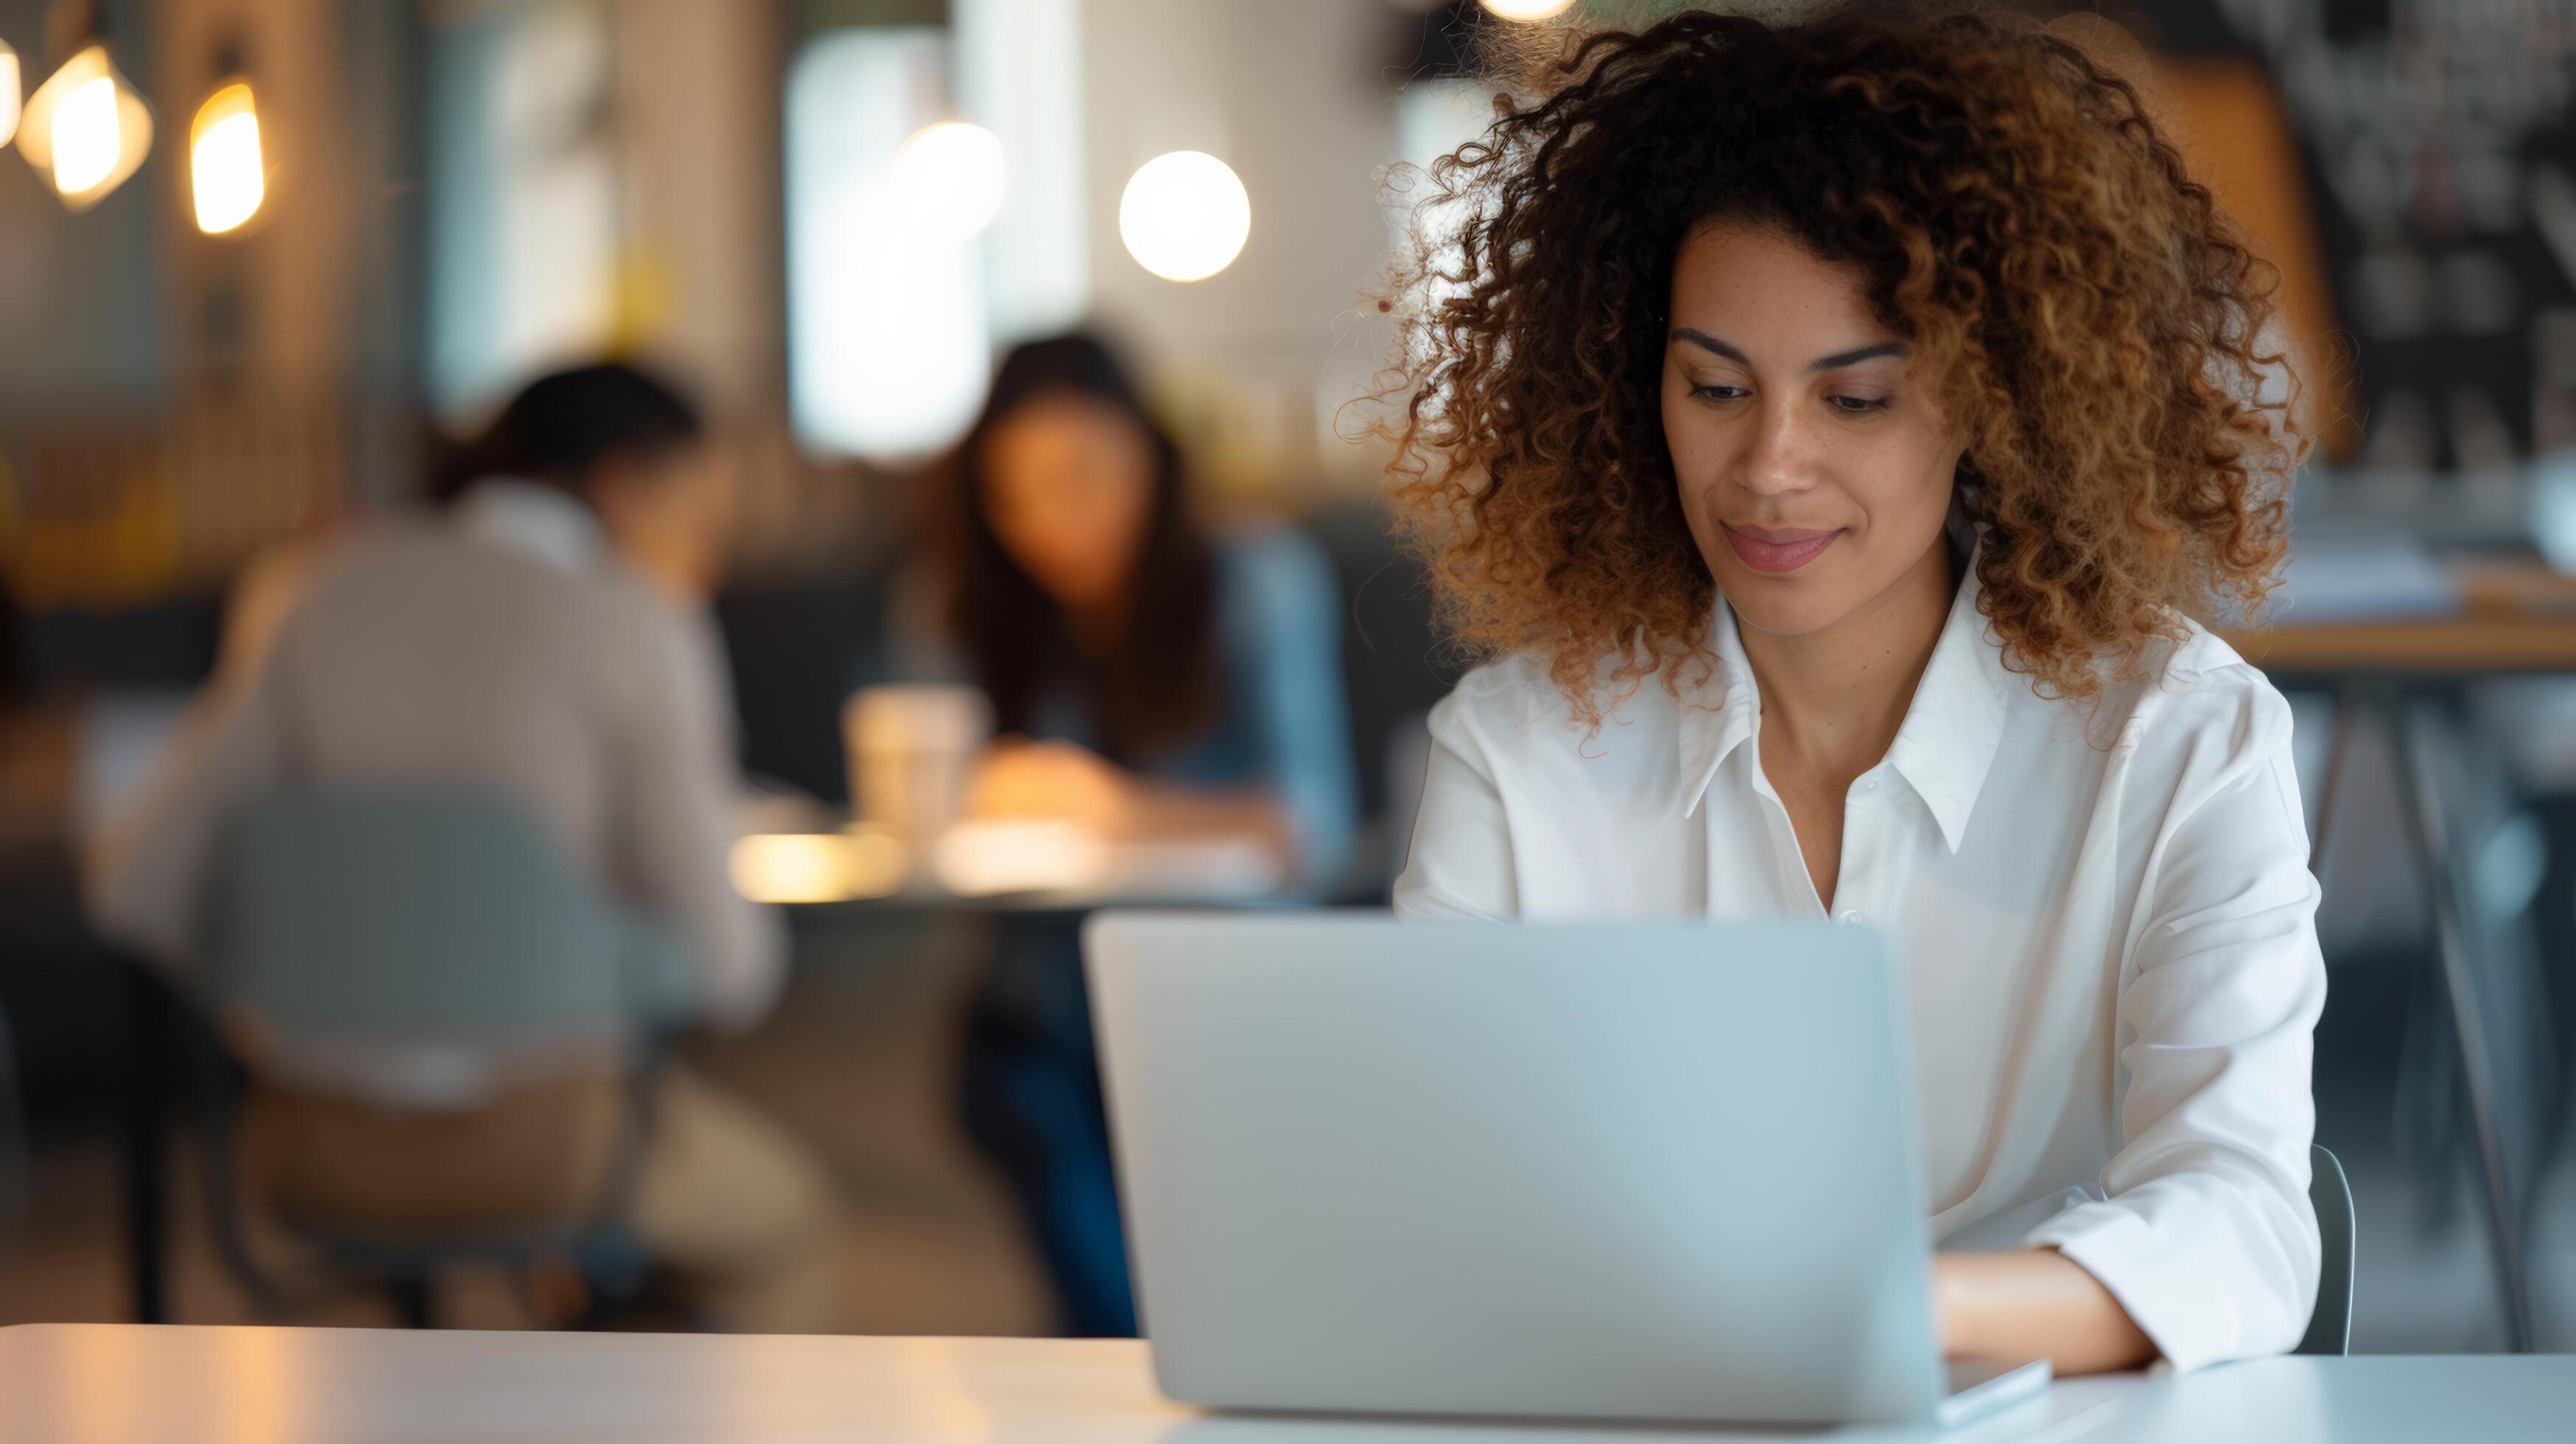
(1661, 1171)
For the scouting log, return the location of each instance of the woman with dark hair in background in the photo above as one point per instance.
(543, 639)
(1147, 678)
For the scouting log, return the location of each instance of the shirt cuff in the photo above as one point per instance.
(2180, 1309)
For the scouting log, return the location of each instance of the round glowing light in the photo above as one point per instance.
(949, 179)
(1528, 9)
(225, 171)
(1184, 216)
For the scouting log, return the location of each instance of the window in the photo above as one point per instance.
(891, 323)
(523, 199)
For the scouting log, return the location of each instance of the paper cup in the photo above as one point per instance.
(911, 750)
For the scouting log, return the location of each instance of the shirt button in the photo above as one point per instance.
(1869, 784)
(1851, 917)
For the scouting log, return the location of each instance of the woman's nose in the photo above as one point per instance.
(1780, 458)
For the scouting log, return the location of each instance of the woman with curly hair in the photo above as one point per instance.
(1827, 433)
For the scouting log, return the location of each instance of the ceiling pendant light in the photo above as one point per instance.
(8, 92)
(227, 165)
(85, 130)
(1184, 215)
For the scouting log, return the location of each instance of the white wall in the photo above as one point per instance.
(698, 103)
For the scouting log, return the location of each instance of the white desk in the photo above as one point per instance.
(96, 1383)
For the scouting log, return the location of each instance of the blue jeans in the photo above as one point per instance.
(1031, 1096)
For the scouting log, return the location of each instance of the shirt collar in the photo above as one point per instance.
(1718, 715)
(1943, 749)
(535, 520)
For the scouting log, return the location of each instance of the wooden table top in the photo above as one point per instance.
(2515, 616)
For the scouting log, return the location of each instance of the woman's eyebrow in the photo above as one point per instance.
(1707, 342)
(1853, 358)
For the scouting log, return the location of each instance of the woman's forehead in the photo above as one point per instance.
(1753, 287)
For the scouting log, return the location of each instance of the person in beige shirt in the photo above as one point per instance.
(545, 638)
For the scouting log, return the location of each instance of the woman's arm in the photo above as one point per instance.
(677, 788)
(1061, 779)
(2033, 1304)
(150, 864)
(1460, 863)
(1169, 810)
(1282, 633)
(2201, 1227)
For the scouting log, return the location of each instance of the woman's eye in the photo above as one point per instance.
(1858, 403)
(1716, 393)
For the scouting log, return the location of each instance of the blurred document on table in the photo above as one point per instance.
(2362, 576)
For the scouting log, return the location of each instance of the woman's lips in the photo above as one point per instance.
(1782, 550)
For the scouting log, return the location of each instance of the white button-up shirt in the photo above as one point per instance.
(2105, 921)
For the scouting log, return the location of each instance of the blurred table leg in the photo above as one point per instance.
(2419, 805)
(147, 1152)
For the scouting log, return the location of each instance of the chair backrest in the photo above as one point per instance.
(428, 915)
(2330, 1327)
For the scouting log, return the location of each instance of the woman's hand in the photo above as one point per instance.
(1056, 780)
(2033, 1304)
(1059, 780)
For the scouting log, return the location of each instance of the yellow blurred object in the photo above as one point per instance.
(784, 867)
(1528, 9)
(125, 555)
(642, 297)
(8, 92)
(1240, 441)
(85, 130)
(226, 171)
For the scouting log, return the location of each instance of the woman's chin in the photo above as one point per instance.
(1785, 606)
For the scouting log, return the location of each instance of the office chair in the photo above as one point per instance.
(413, 949)
(2330, 1326)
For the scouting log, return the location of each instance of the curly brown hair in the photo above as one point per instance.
(2094, 323)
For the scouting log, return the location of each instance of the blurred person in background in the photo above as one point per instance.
(543, 637)
(1146, 677)
(1149, 678)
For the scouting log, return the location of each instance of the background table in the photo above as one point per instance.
(109, 1383)
(798, 855)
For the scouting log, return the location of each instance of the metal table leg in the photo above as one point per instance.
(147, 1145)
(2350, 702)
(2420, 813)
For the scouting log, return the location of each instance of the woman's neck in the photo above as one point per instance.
(1096, 626)
(1835, 697)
